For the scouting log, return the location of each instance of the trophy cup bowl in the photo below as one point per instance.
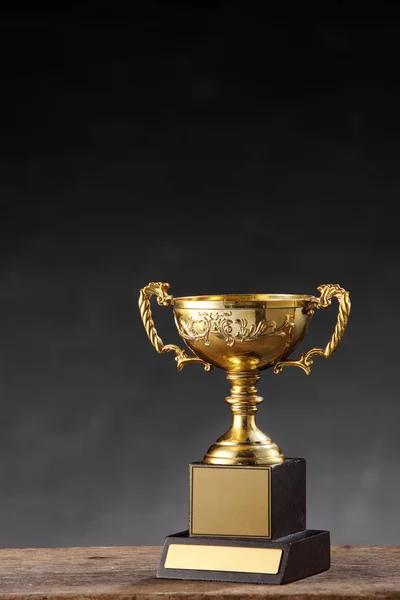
(244, 334)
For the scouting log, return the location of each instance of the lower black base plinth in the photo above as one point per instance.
(245, 560)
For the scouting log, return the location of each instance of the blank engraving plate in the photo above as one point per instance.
(230, 501)
(224, 558)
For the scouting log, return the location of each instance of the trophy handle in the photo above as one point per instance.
(160, 291)
(328, 292)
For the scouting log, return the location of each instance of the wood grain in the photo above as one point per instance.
(125, 573)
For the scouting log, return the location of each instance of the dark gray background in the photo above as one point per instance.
(220, 149)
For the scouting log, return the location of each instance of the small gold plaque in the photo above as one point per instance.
(224, 558)
(230, 501)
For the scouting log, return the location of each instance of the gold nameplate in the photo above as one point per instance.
(224, 558)
(230, 501)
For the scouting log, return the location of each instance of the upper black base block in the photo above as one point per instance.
(274, 495)
(278, 561)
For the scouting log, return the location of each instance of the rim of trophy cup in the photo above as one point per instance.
(242, 301)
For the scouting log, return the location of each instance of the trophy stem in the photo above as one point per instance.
(244, 443)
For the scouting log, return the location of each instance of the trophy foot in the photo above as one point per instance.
(244, 443)
(234, 453)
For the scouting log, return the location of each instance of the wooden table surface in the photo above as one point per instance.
(124, 573)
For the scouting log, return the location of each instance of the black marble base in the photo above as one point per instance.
(303, 554)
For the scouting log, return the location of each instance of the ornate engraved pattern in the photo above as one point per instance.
(328, 291)
(160, 290)
(231, 330)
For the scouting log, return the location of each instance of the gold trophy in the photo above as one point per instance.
(247, 501)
